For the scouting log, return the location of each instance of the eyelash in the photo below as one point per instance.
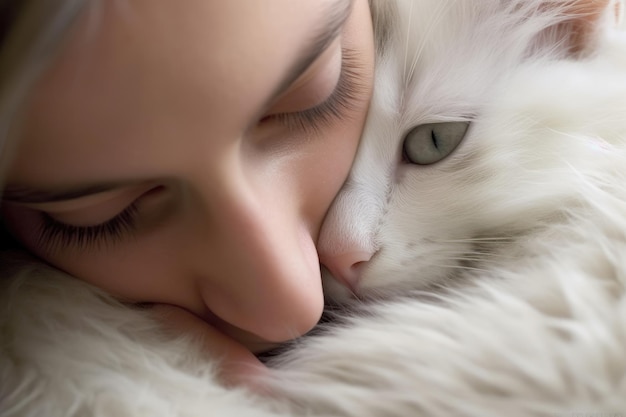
(346, 93)
(54, 234)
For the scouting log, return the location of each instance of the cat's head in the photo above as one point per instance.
(487, 117)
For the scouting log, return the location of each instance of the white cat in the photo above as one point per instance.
(489, 121)
(507, 245)
(490, 187)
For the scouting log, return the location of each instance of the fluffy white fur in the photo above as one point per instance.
(509, 254)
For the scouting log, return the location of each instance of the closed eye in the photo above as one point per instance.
(54, 233)
(431, 142)
(344, 96)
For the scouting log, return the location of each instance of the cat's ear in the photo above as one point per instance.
(582, 23)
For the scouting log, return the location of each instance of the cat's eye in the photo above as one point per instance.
(429, 143)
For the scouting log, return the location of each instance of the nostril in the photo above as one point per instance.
(358, 266)
(347, 267)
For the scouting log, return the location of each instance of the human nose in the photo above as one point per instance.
(261, 272)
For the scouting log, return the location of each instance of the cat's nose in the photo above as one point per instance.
(346, 267)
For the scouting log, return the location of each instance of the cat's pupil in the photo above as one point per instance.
(431, 142)
(434, 138)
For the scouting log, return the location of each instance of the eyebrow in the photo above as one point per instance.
(333, 21)
(334, 18)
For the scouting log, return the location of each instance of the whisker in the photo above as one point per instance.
(478, 254)
(476, 259)
(439, 15)
(406, 43)
(477, 240)
(462, 267)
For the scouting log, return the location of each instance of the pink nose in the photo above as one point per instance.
(346, 267)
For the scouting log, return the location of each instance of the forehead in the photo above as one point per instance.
(144, 74)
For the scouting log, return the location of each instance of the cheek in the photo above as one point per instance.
(130, 276)
(326, 170)
(337, 158)
(337, 146)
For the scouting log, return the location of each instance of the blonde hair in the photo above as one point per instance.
(31, 33)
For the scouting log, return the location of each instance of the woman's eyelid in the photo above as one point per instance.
(84, 202)
(96, 211)
(54, 232)
(305, 91)
(347, 91)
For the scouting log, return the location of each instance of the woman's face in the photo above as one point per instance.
(186, 153)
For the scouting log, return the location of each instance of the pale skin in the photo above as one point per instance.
(191, 115)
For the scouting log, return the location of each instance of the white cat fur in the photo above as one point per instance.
(535, 123)
(528, 321)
